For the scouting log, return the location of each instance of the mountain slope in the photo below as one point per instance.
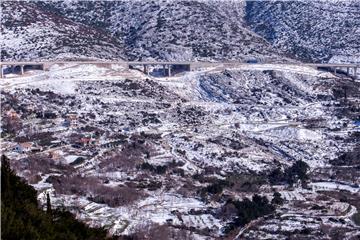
(33, 33)
(167, 30)
(182, 30)
(309, 30)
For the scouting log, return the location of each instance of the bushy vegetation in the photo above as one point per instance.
(248, 210)
(156, 169)
(216, 187)
(277, 199)
(348, 158)
(356, 218)
(21, 219)
(298, 171)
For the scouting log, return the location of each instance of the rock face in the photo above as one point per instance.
(309, 30)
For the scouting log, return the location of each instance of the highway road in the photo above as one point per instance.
(339, 65)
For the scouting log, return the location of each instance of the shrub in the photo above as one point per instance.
(156, 169)
(277, 200)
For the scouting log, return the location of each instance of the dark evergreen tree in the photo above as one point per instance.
(276, 176)
(297, 171)
(48, 203)
(277, 200)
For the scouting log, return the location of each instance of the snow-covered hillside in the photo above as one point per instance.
(168, 30)
(231, 151)
(32, 33)
(182, 30)
(156, 143)
(309, 30)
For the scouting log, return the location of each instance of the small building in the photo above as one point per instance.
(56, 143)
(85, 141)
(55, 155)
(12, 114)
(23, 147)
(36, 149)
(45, 114)
(66, 123)
(73, 119)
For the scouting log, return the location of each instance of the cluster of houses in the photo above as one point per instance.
(76, 145)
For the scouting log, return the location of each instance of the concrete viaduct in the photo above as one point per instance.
(168, 66)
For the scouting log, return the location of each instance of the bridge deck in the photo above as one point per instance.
(189, 65)
(177, 63)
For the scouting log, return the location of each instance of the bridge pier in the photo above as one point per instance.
(2, 71)
(22, 69)
(355, 72)
(169, 70)
(45, 67)
(146, 71)
(347, 71)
